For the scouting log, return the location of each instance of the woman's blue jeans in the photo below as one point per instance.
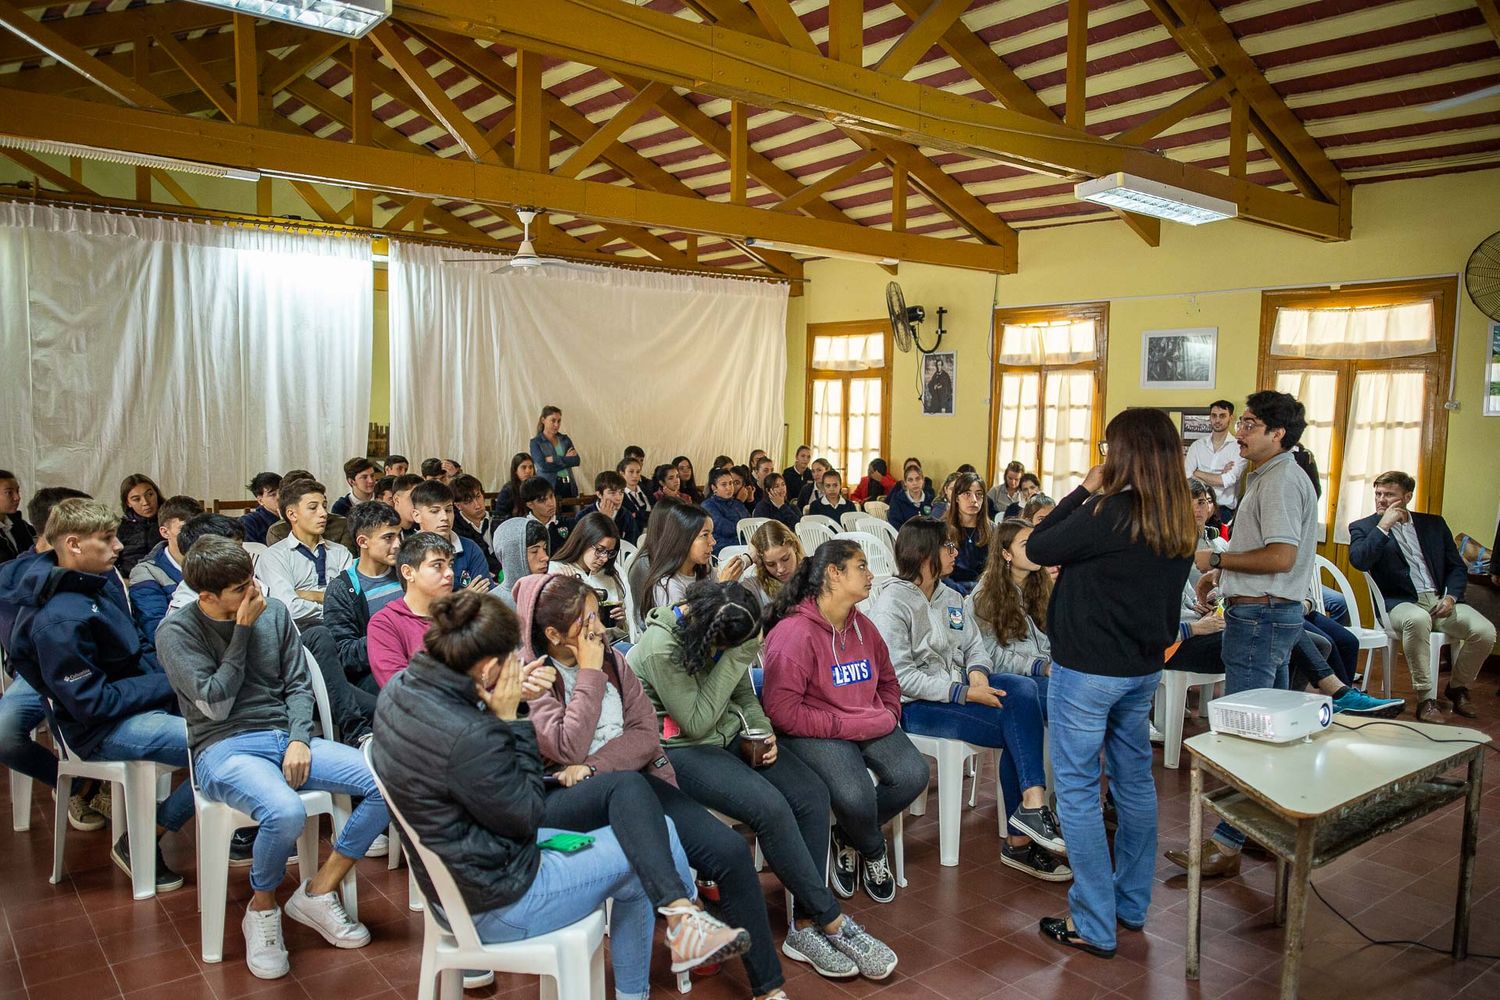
(1090, 713)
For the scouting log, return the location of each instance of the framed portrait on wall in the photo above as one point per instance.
(1194, 423)
(939, 374)
(1492, 374)
(1179, 359)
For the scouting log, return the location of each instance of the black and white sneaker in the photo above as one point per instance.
(1035, 862)
(845, 867)
(879, 883)
(242, 847)
(1041, 826)
(166, 878)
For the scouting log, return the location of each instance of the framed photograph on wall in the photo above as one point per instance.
(1179, 359)
(1194, 423)
(939, 373)
(1492, 375)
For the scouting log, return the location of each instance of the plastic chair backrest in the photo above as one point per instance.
(320, 696)
(849, 519)
(1377, 601)
(456, 913)
(877, 509)
(880, 555)
(1341, 583)
(822, 520)
(628, 552)
(813, 534)
(728, 552)
(254, 548)
(879, 528)
(748, 526)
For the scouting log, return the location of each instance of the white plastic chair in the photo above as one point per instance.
(879, 527)
(217, 823)
(849, 520)
(878, 552)
(254, 548)
(570, 960)
(728, 552)
(1171, 705)
(951, 757)
(820, 519)
(1435, 642)
(141, 781)
(877, 509)
(20, 784)
(1376, 640)
(747, 526)
(628, 552)
(813, 533)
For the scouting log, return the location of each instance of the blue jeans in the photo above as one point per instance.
(1334, 606)
(1015, 727)
(157, 736)
(1257, 653)
(1093, 712)
(1345, 658)
(21, 712)
(568, 887)
(244, 771)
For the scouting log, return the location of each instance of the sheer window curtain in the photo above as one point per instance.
(197, 354)
(678, 364)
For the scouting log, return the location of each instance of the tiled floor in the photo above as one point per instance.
(964, 933)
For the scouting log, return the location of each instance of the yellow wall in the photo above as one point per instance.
(1206, 276)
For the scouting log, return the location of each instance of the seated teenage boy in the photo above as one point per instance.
(16, 536)
(401, 500)
(425, 563)
(241, 679)
(726, 511)
(364, 588)
(396, 465)
(335, 529)
(296, 570)
(21, 708)
(154, 578)
(472, 520)
(609, 500)
(523, 548)
(255, 523)
(432, 507)
(75, 642)
(830, 501)
(541, 502)
(637, 500)
(360, 473)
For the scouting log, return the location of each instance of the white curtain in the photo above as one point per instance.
(1318, 392)
(677, 364)
(1384, 433)
(1067, 431)
(1399, 331)
(1061, 342)
(197, 354)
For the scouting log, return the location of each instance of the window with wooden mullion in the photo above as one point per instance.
(848, 393)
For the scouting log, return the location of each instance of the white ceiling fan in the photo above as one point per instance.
(1459, 100)
(525, 258)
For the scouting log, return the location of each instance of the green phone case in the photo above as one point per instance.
(566, 843)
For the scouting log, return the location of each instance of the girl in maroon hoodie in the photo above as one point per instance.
(831, 691)
(597, 733)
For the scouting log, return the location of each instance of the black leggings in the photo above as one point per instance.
(622, 801)
(785, 803)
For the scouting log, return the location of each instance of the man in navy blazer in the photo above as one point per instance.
(1413, 560)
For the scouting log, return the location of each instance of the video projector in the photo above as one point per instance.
(1270, 715)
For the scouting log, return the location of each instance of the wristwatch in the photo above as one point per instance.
(1214, 558)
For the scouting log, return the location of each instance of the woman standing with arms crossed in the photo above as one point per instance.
(1125, 554)
(553, 453)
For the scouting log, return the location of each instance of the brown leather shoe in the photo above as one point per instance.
(1428, 711)
(1461, 703)
(1216, 861)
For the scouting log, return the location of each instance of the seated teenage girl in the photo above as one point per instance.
(689, 487)
(590, 553)
(597, 734)
(951, 691)
(971, 529)
(832, 694)
(694, 661)
(775, 503)
(508, 501)
(1009, 607)
(776, 552)
(458, 756)
(912, 499)
(669, 482)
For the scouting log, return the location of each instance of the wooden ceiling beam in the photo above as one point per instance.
(1078, 62)
(315, 201)
(246, 72)
(1491, 11)
(533, 137)
(434, 98)
(927, 27)
(119, 27)
(620, 120)
(71, 55)
(300, 61)
(831, 180)
(202, 78)
(1193, 103)
(45, 171)
(304, 157)
(783, 24)
(846, 31)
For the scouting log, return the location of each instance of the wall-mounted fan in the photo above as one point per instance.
(525, 257)
(906, 321)
(1482, 276)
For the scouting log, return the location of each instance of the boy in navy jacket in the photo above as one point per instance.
(154, 578)
(432, 510)
(726, 511)
(75, 641)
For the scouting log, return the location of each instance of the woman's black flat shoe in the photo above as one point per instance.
(1057, 929)
(1129, 926)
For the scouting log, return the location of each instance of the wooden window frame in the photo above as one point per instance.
(1437, 367)
(1099, 313)
(847, 328)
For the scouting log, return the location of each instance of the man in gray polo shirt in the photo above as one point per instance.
(1264, 576)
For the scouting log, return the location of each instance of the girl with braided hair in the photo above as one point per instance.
(693, 661)
(831, 690)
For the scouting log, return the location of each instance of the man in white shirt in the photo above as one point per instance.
(1216, 459)
(296, 570)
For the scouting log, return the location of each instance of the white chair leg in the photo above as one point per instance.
(684, 984)
(1175, 682)
(596, 973)
(451, 984)
(427, 977)
(20, 802)
(213, 881)
(898, 847)
(140, 826)
(950, 800)
(117, 812)
(1388, 666)
(918, 805)
(60, 825)
(413, 891)
(393, 855)
(307, 851)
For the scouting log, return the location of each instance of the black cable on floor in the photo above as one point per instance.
(1419, 944)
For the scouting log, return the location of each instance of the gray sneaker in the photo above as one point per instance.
(874, 959)
(809, 944)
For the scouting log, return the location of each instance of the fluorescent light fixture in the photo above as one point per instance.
(1164, 201)
(351, 18)
(867, 258)
(129, 159)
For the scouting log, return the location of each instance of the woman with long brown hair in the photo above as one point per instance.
(553, 454)
(1009, 605)
(1125, 542)
(968, 516)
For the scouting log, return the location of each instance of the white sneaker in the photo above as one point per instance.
(265, 952)
(478, 979)
(1156, 735)
(379, 847)
(325, 914)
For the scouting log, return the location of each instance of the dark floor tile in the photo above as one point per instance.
(348, 981)
(154, 970)
(60, 963)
